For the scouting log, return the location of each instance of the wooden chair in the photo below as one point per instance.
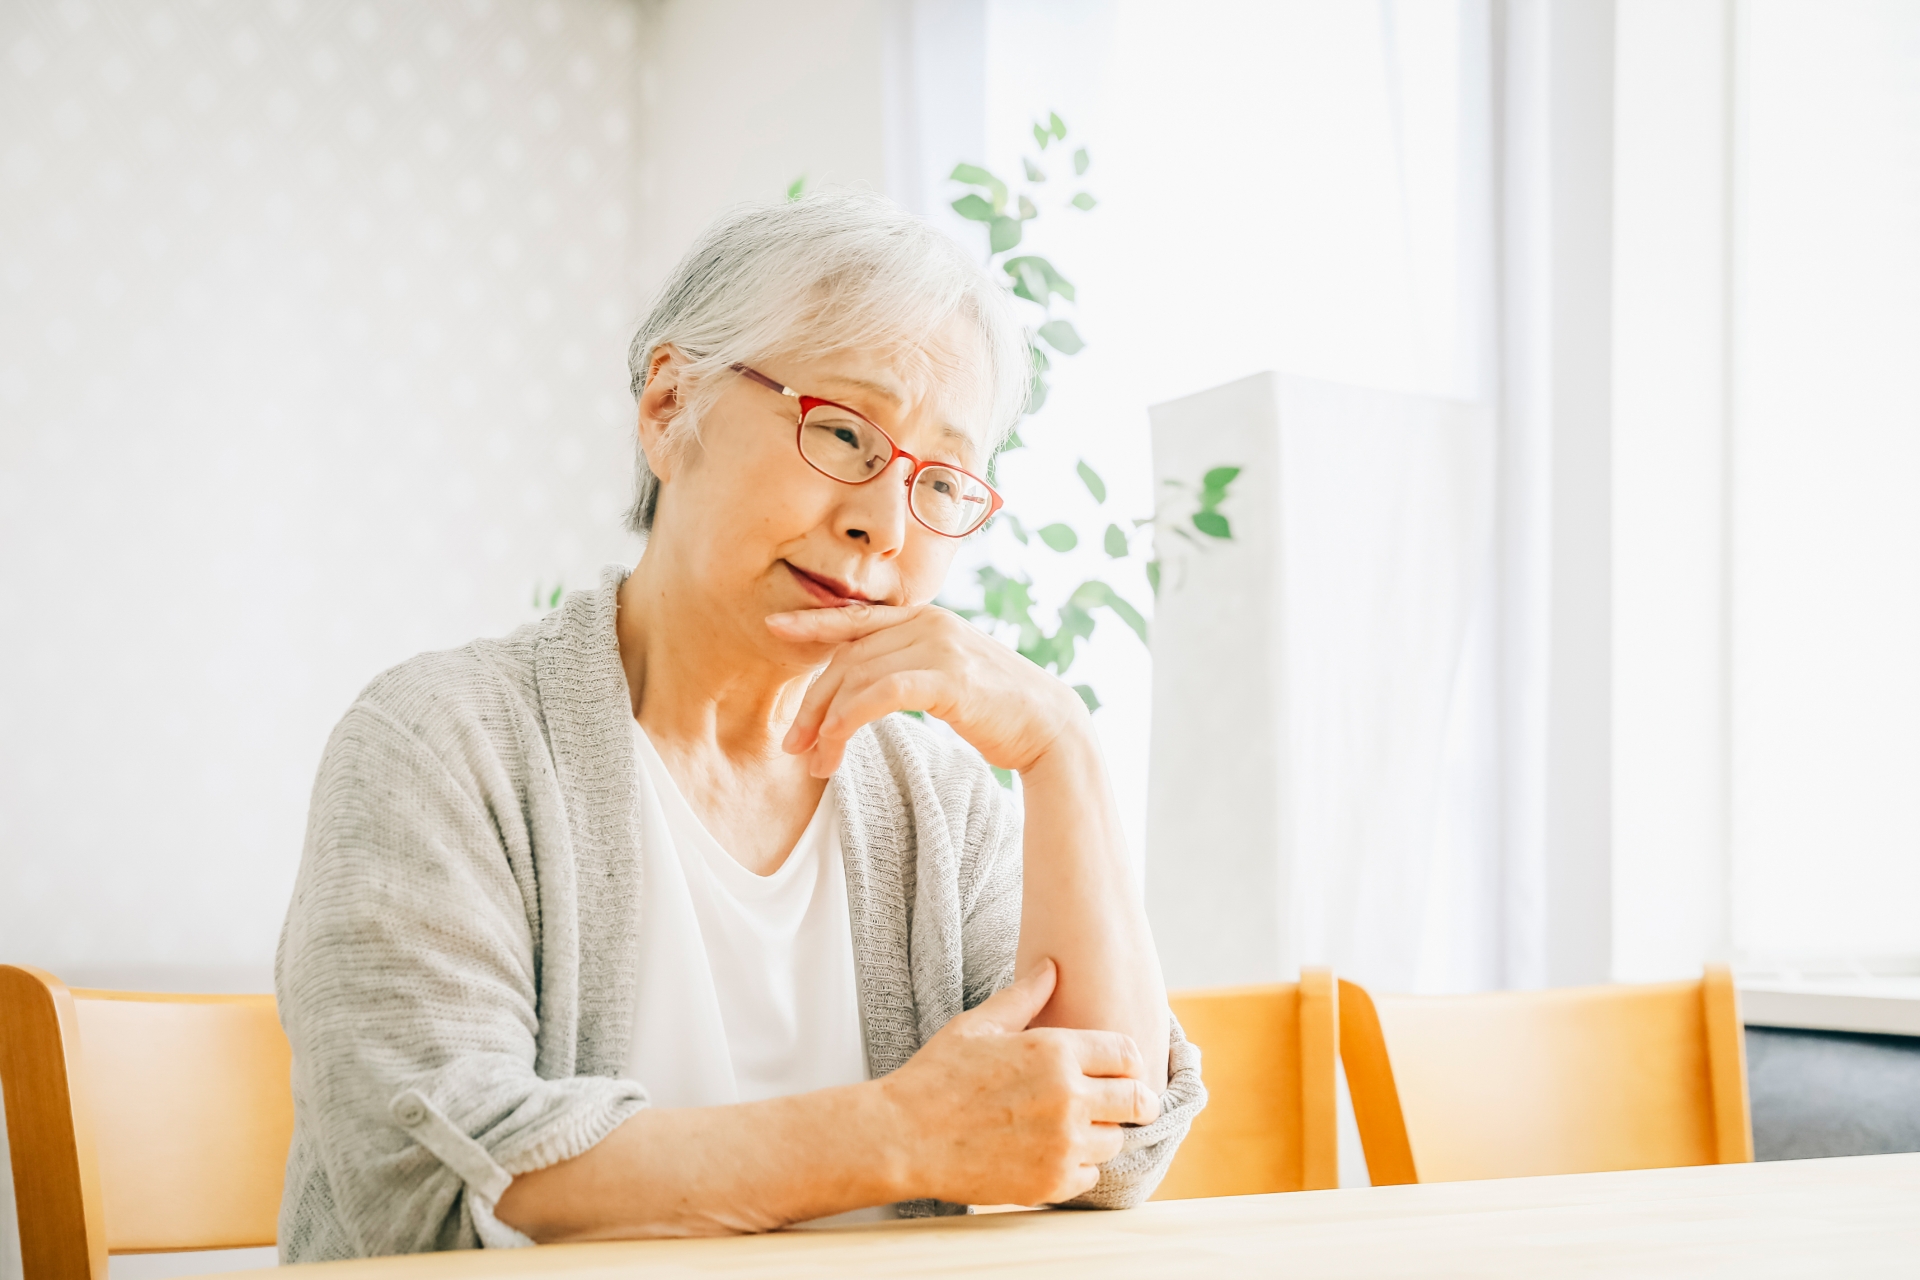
(140, 1123)
(1267, 1056)
(1578, 1080)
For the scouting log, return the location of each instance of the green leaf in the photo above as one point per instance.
(974, 207)
(1095, 594)
(917, 715)
(1081, 161)
(1036, 395)
(1084, 201)
(1029, 281)
(1012, 442)
(1213, 524)
(797, 188)
(1041, 136)
(1039, 278)
(1117, 542)
(1040, 361)
(1091, 478)
(1061, 335)
(1006, 599)
(553, 601)
(1058, 127)
(1004, 234)
(1003, 776)
(974, 176)
(1075, 621)
(1027, 210)
(1128, 614)
(1086, 695)
(1060, 537)
(1153, 577)
(1013, 523)
(1034, 172)
(1219, 478)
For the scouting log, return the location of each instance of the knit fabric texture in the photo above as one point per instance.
(457, 969)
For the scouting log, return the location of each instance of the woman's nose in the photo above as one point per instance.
(876, 512)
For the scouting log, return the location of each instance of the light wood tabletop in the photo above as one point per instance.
(1856, 1217)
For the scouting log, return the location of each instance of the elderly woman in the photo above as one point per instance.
(655, 917)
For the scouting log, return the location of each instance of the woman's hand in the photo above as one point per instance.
(994, 1113)
(922, 658)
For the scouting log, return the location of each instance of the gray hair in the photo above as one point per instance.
(830, 272)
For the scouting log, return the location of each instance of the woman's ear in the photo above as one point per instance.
(660, 404)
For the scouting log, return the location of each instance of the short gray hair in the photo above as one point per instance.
(830, 272)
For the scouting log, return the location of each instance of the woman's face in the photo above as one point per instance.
(749, 529)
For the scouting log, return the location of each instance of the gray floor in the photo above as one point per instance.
(1832, 1093)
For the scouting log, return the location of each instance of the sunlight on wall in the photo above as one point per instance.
(1825, 466)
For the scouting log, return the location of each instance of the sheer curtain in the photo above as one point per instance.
(1317, 189)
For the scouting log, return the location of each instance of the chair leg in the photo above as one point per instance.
(56, 1179)
(1376, 1100)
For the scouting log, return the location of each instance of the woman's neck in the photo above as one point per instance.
(694, 682)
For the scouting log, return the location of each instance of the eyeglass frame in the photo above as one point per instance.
(809, 403)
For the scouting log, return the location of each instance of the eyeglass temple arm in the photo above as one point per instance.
(764, 380)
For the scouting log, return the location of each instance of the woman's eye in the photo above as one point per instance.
(845, 435)
(943, 488)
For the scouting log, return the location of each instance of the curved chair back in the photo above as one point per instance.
(1578, 1080)
(1267, 1056)
(140, 1123)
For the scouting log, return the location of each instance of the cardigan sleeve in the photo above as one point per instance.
(407, 984)
(992, 933)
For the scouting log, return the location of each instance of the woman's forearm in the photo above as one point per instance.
(753, 1166)
(988, 1111)
(1081, 906)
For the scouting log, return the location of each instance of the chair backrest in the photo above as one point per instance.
(1578, 1080)
(1267, 1056)
(140, 1123)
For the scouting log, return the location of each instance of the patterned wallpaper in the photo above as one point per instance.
(312, 325)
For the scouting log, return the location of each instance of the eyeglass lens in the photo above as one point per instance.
(849, 449)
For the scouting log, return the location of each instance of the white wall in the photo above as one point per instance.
(311, 359)
(740, 97)
(1825, 459)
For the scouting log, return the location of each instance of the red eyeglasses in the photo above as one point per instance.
(842, 445)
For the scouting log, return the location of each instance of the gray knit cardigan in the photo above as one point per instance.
(456, 973)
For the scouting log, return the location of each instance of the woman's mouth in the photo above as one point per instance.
(829, 593)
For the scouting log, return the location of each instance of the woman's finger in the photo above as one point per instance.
(1085, 1179)
(1103, 1053)
(872, 649)
(805, 729)
(839, 625)
(1119, 1102)
(862, 700)
(1101, 1143)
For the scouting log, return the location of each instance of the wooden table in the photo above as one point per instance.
(1852, 1218)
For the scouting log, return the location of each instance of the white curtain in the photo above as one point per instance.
(1313, 189)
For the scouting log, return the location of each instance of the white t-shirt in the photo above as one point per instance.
(746, 983)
